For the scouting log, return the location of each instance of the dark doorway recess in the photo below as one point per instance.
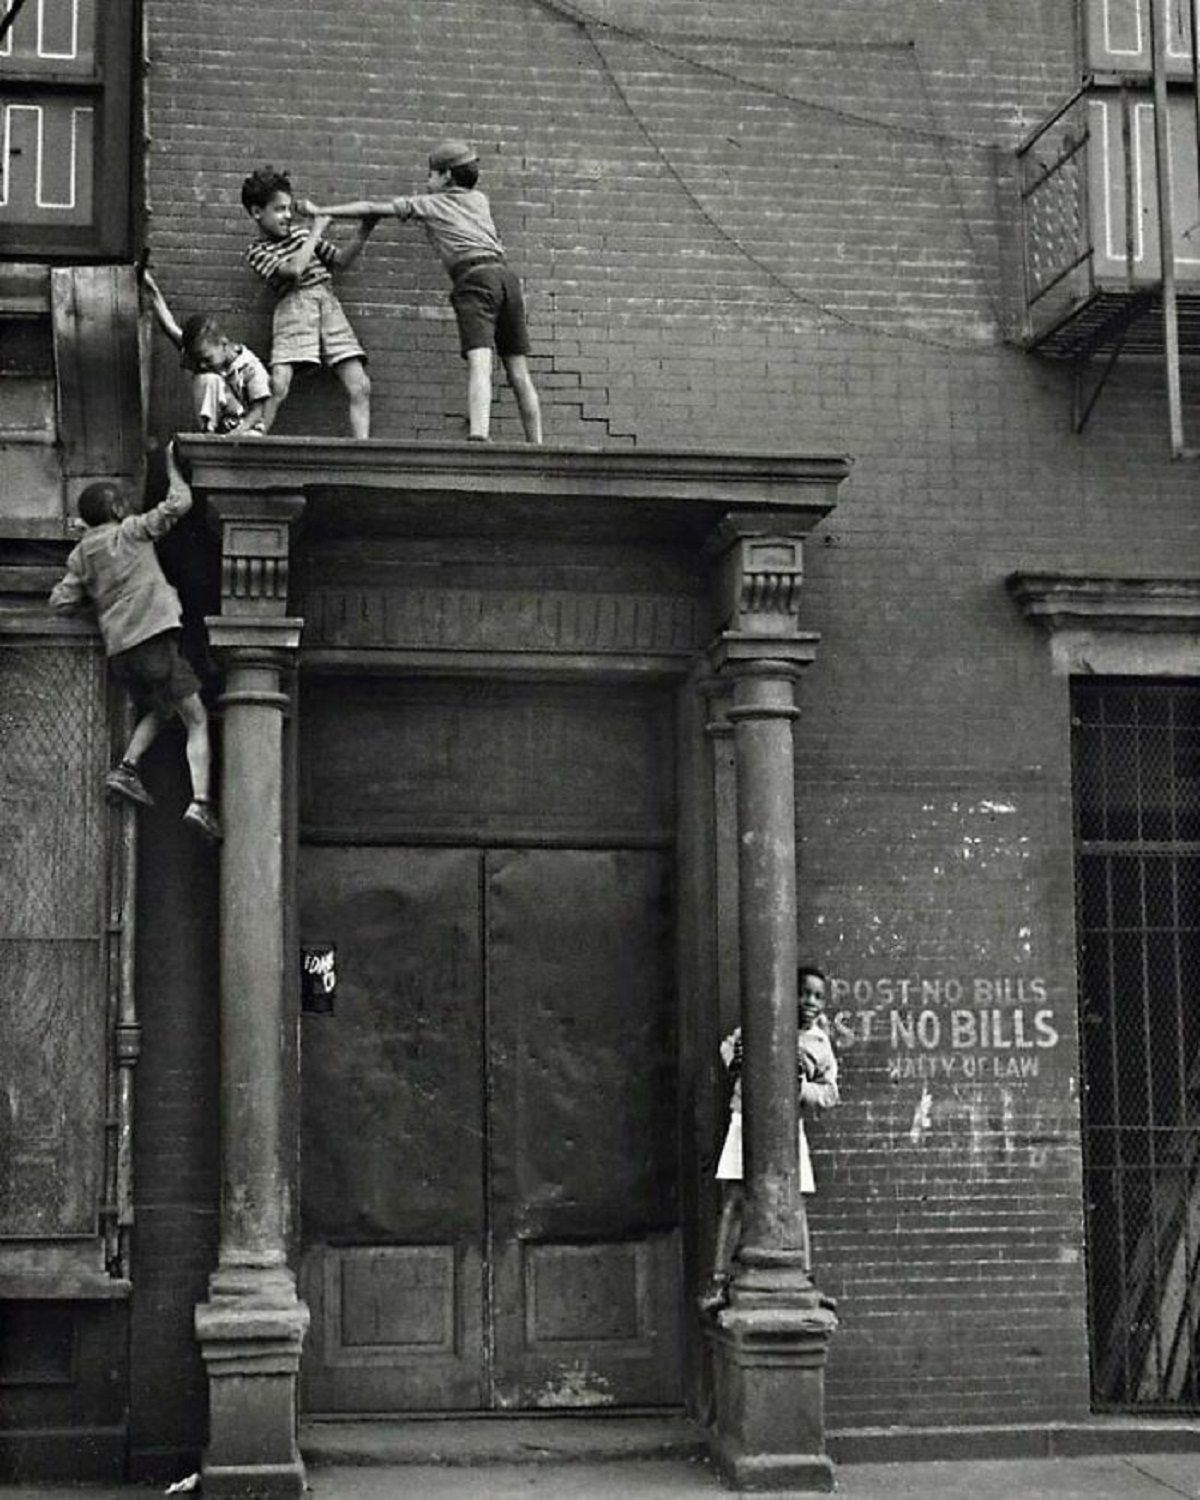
(489, 1138)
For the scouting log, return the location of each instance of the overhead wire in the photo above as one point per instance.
(567, 11)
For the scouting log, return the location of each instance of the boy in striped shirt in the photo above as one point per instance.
(309, 326)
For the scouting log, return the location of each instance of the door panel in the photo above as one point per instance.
(489, 1164)
(392, 1203)
(582, 1132)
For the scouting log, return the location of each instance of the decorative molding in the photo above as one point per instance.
(255, 542)
(805, 485)
(1118, 627)
(551, 622)
(1061, 601)
(758, 585)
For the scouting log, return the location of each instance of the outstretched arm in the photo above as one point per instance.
(364, 209)
(152, 524)
(162, 313)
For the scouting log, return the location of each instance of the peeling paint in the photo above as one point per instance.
(575, 1385)
(922, 1118)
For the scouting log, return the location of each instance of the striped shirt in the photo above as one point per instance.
(266, 256)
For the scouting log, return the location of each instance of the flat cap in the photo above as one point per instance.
(449, 154)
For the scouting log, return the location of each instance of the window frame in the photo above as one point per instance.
(110, 88)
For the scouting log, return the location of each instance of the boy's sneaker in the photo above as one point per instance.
(124, 781)
(200, 817)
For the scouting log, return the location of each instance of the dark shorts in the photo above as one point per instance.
(490, 309)
(157, 677)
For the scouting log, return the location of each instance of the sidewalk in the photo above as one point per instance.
(1110, 1477)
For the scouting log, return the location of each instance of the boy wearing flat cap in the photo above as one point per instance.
(486, 295)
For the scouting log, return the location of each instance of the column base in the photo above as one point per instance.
(250, 1333)
(769, 1396)
(250, 1481)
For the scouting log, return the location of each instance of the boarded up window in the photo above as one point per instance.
(54, 1060)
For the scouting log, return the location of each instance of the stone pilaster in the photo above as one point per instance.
(769, 1345)
(252, 1325)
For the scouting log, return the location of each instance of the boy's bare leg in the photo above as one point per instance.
(353, 375)
(281, 384)
(530, 408)
(199, 752)
(123, 780)
(479, 392)
(145, 732)
(206, 400)
(729, 1233)
(729, 1230)
(199, 814)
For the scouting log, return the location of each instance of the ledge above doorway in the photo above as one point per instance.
(382, 487)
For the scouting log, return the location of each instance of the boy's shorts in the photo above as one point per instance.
(310, 328)
(490, 309)
(156, 675)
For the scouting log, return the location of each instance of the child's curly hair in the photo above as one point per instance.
(261, 186)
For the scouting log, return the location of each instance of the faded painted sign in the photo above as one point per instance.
(975, 1029)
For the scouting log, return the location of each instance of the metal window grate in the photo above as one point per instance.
(1136, 759)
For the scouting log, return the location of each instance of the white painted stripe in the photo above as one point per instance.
(7, 157)
(42, 50)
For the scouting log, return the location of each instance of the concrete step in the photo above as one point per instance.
(488, 1439)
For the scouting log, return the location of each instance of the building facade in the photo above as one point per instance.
(482, 916)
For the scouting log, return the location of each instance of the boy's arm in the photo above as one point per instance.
(70, 592)
(252, 419)
(152, 524)
(162, 313)
(297, 263)
(364, 209)
(348, 253)
(255, 395)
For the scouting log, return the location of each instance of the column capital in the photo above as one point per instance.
(255, 639)
(741, 653)
(255, 531)
(759, 570)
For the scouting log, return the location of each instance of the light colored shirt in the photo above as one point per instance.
(458, 223)
(246, 376)
(266, 256)
(116, 568)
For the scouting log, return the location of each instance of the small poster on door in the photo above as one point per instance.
(318, 978)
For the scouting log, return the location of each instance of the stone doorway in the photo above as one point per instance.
(489, 1197)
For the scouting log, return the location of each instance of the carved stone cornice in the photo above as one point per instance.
(758, 575)
(255, 534)
(1063, 601)
(1120, 627)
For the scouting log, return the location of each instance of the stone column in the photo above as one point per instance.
(252, 1325)
(770, 1344)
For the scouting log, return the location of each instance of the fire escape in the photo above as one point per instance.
(1110, 206)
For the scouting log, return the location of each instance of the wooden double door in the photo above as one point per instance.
(489, 1133)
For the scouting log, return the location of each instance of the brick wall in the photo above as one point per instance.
(783, 227)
